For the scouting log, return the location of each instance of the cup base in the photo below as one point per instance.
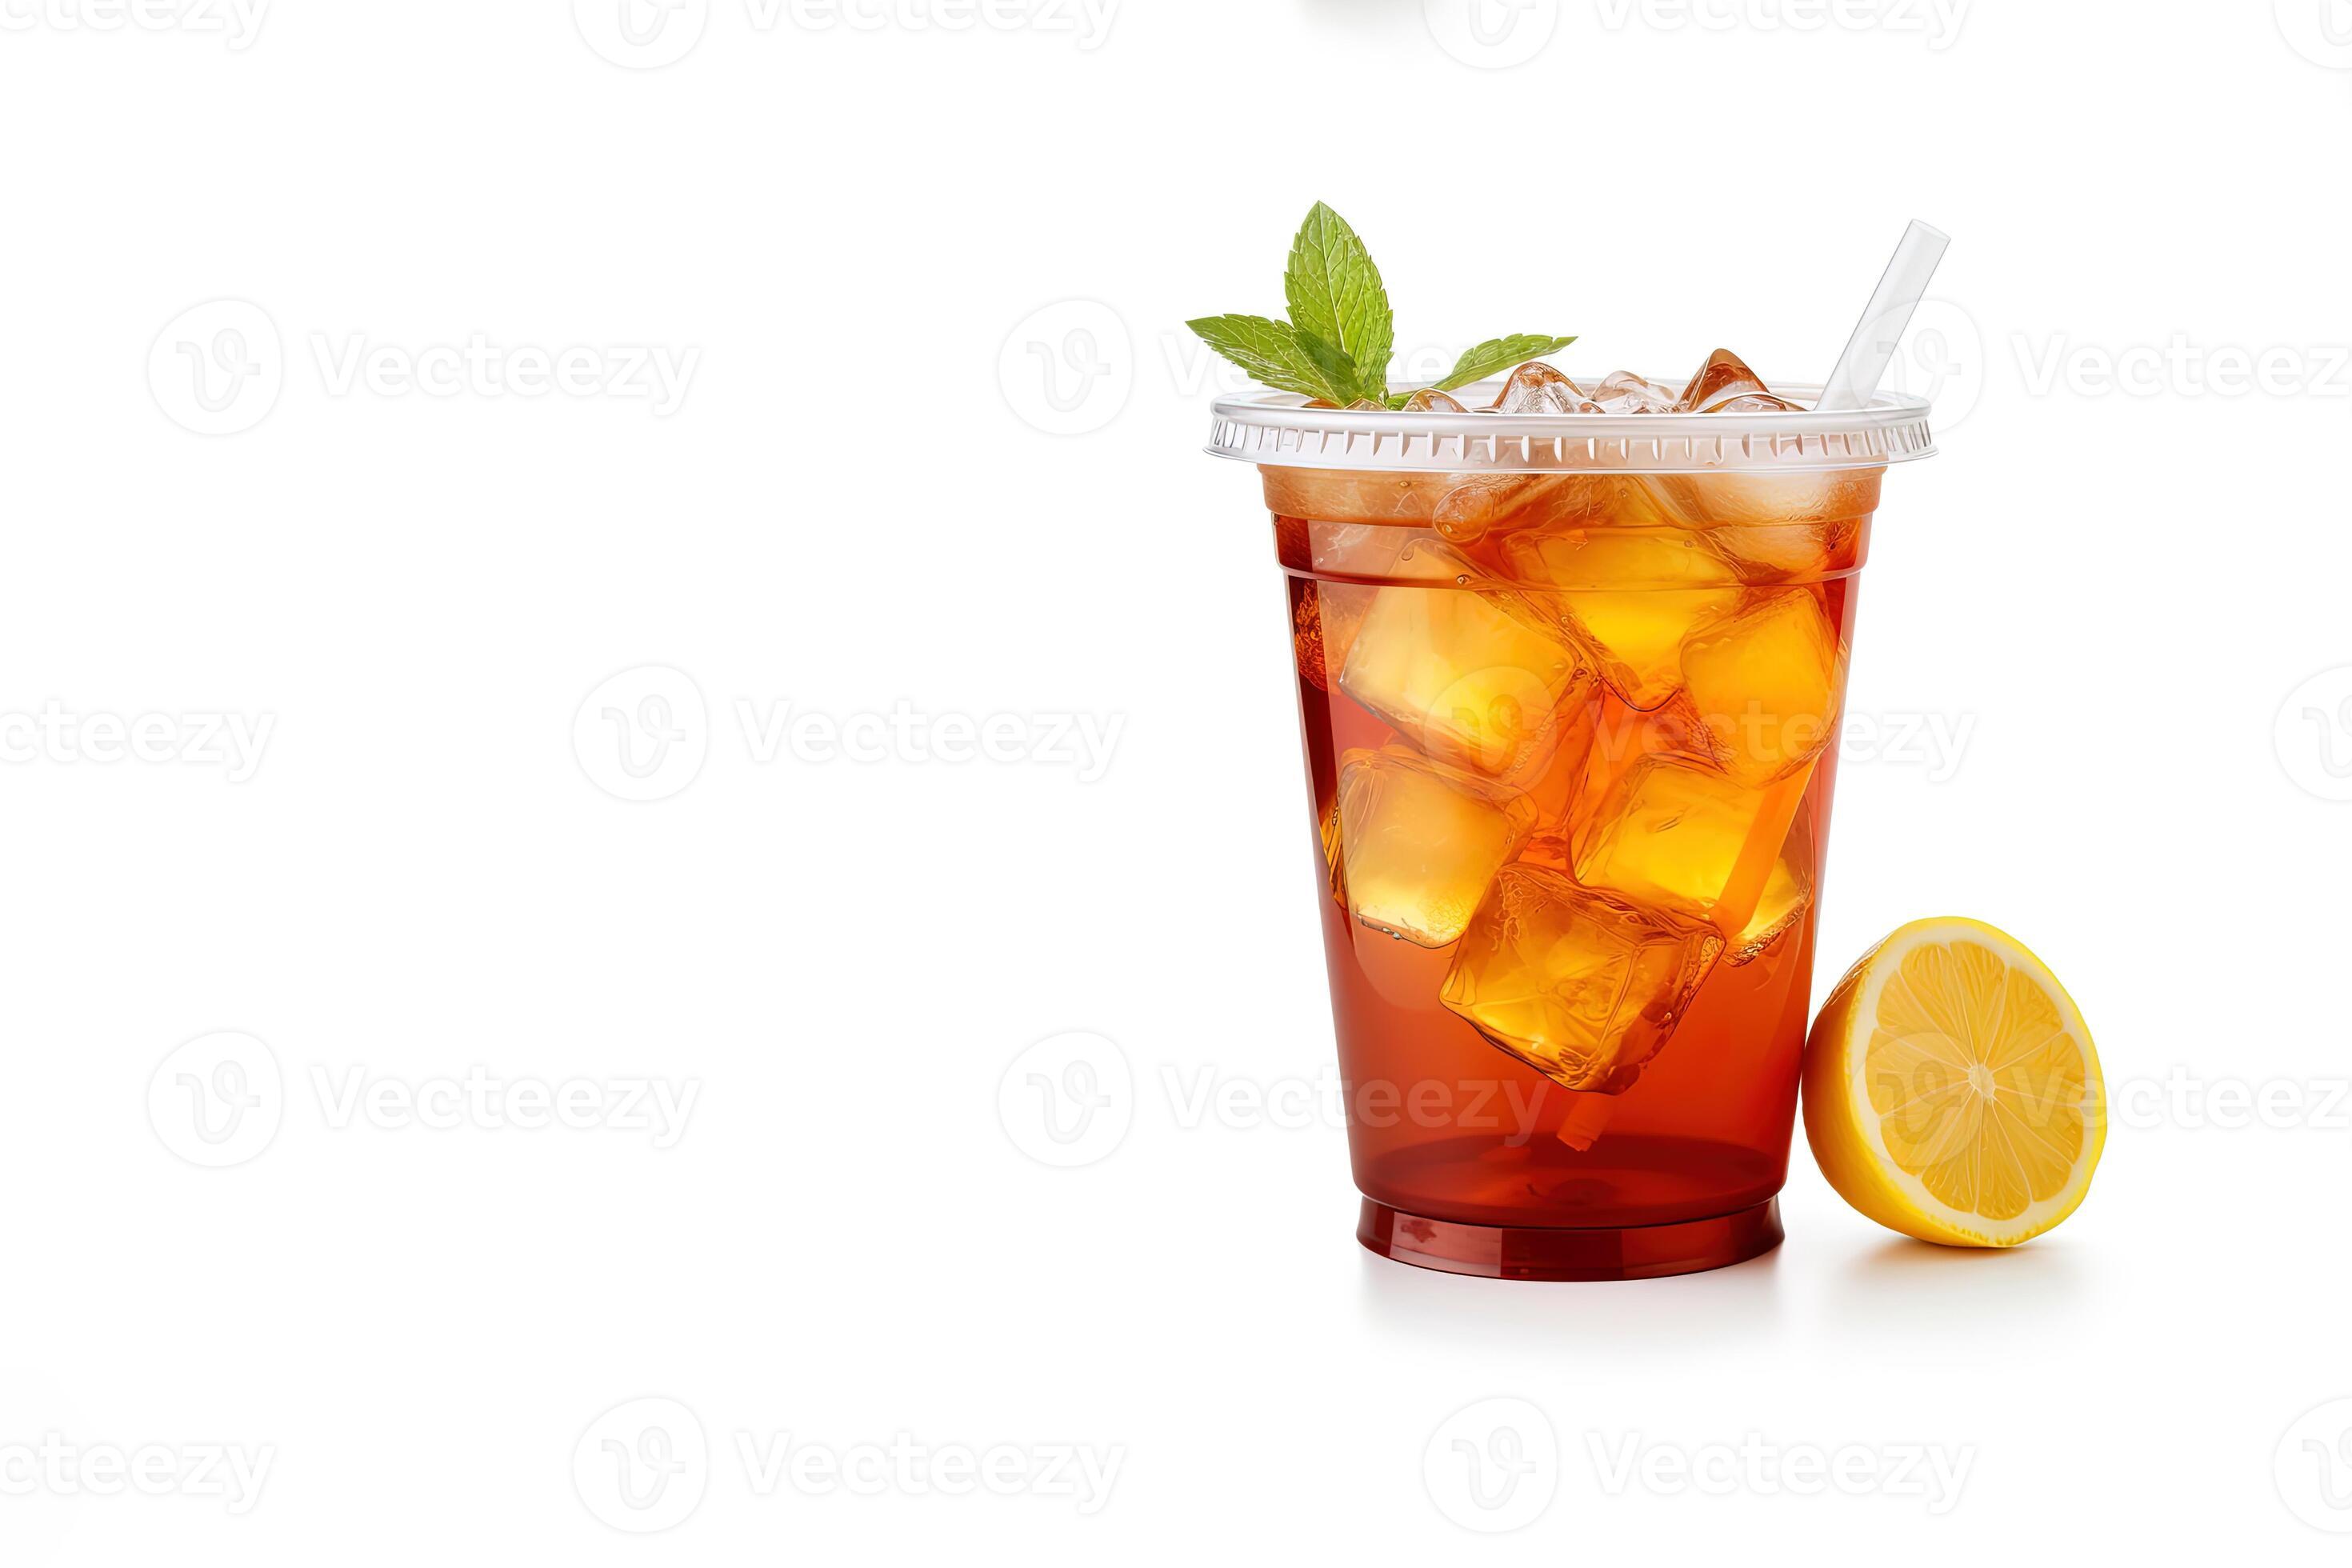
(1526, 1252)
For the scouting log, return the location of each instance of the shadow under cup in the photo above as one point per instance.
(1571, 738)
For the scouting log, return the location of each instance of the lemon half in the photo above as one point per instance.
(1951, 1089)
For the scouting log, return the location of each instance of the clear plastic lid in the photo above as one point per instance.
(1277, 429)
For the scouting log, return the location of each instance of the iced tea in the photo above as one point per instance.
(1570, 742)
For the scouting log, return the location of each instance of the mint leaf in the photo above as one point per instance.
(1499, 354)
(1272, 353)
(1337, 300)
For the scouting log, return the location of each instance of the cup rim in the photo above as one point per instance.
(1276, 429)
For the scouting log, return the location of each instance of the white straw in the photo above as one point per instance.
(1872, 348)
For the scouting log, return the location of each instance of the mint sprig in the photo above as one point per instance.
(1337, 343)
(1338, 300)
(1498, 354)
(1270, 350)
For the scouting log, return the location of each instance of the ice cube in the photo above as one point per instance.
(1429, 400)
(1383, 552)
(1515, 504)
(1324, 625)
(1676, 835)
(1335, 864)
(1623, 392)
(1581, 986)
(1630, 595)
(1469, 511)
(1419, 841)
(1558, 787)
(1307, 638)
(1765, 683)
(1328, 496)
(1475, 678)
(1788, 892)
(1723, 378)
(1623, 735)
(1290, 545)
(1787, 527)
(1536, 388)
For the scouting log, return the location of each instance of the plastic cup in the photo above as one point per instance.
(1569, 687)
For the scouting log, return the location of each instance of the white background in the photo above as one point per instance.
(862, 503)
